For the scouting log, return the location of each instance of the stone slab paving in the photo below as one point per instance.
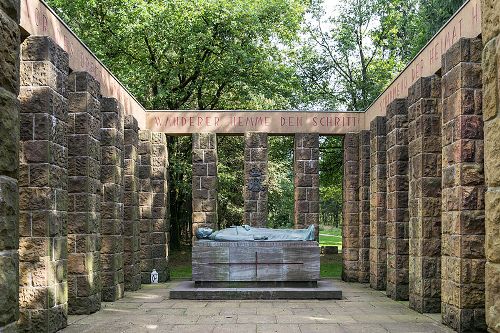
(361, 310)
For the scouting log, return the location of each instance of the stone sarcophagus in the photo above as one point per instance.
(248, 262)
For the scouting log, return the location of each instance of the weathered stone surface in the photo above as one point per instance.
(306, 180)
(378, 203)
(397, 229)
(131, 231)
(255, 191)
(350, 224)
(9, 49)
(463, 199)
(43, 200)
(204, 181)
(84, 192)
(111, 230)
(490, 24)
(425, 196)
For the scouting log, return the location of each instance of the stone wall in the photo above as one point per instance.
(378, 204)
(112, 127)
(424, 138)
(255, 190)
(306, 180)
(350, 223)
(131, 226)
(364, 207)
(204, 181)
(9, 162)
(43, 187)
(84, 193)
(397, 200)
(491, 117)
(463, 232)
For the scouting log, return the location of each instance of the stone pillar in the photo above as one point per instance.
(364, 207)
(491, 31)
(131, 230)
(306, 169)
(9, 163)
(204, 181)
(255, 191)
(350, 224)
(378, 203)
(397, 232)
(424, 137)
(463, 231)
(84, 198)
(112, 126)
(145, 204)
(43, 187)
(159, 213)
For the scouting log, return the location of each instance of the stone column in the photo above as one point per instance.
(424, 136)
(131, 230)
(350, 224)
(9, 163)
(255, 190)
(397, 200)
(378, 203)
(43, 187)
(204, 181)
(306, 169)
(112, 279)
(84, 188)
(145, 204)
(364, 207)
(463, 231)
(159, 213)
(491, 31)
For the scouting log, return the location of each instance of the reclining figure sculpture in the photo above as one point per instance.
(248, 233)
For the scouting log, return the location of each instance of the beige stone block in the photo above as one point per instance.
(492, 298)
(492, 152)
(492, 246)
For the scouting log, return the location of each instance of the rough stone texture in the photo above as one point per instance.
(204, 181)
(43, 187)
(84, 193)
(145, 204)
(159, 211)
(131, 230)
(306, 181)
(378, 203)
(364, 206)
(397, 200)
(463, 189)
(350, 224)
(9, 162)
(424, 137)
(255, 191)
(490, 24)
(491, 118)
(112, 127)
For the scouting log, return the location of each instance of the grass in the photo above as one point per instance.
(332, 237)
(180, 265)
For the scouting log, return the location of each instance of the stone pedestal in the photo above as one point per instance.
(159, 212)
(463, 232)
(306, 181)
(43, 187)
(131, 232)
(425, 194)
(397, 200)
(364, 207)
(84, 199)
(378, 203)
(255, 190)
(9, 162)
(492, 165)
(112, 279)
(350, 224)
(204, 181)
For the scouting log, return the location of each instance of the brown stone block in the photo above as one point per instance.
(466, 50)
(492, 295)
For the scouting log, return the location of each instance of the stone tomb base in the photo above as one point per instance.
(256, 270)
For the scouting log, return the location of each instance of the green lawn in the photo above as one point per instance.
(332, 237)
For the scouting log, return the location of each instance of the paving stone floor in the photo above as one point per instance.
(361, 310)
